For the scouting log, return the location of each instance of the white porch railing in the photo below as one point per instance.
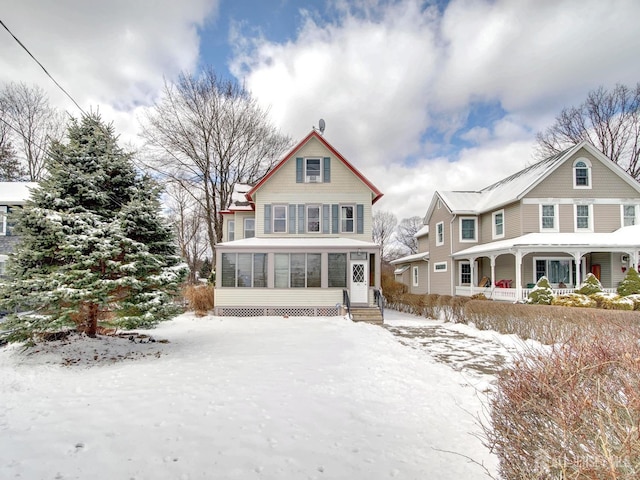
(509, 294)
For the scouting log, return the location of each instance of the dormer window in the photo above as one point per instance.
(312, 170)
(582, 173)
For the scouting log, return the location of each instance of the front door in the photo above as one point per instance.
(359, 281)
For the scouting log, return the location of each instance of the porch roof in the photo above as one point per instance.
(401, 270)
(411, 258)
(621, 240)
(297, 242)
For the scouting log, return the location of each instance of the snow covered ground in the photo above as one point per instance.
(246, 398)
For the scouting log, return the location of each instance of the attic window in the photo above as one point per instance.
(582, 173)
(312, 169)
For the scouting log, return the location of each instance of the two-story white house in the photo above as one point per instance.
(299, 242)
(571, 214)
(12, 195)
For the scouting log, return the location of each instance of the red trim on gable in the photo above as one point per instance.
(377, 193)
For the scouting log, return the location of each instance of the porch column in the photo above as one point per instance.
(493, 274)
(472, 261)
(518, 276)
(577, 257)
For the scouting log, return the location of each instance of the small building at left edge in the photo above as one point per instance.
(299, 242)
(12, 195)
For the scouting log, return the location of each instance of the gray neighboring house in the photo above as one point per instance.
(12, 195)
(413, 270)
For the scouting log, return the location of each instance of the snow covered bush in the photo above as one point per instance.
(630, 284)
(635, 298)
(590, 285)
(570, 412)
(612, 301)
(574, 300)
(541, 294)
(93, 247)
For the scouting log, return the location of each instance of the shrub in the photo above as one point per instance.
(630, 284)
(590, 285)
(571, 412)
(574, 300)
(478, 296)
(431, 305)
(391, 289)
(542, 294)
(611, 301)
(457, 304)
(199, 298)
(445, 312)
(635, 299)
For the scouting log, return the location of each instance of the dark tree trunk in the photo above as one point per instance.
(92, 320)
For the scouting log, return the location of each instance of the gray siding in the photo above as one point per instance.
(440, 281)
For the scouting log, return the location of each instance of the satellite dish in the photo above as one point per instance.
(321, 124)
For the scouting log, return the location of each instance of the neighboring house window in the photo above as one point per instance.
(440, 267)
(465, 273)
(298, 270)
(2, 266)
(313, 218)
(244, 270)
(249, 228)
(346, 219)
(629, 215)
(468, 229)
(583, 218)
(279, 218)
(3, 219)
(498, 224)
(337, 270)
(416, 276)
(557, 270)
(440, 234)
(582, 173)
(231, 230)
(548, 221)
(312, 169)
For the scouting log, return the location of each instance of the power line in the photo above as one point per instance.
(42, 66)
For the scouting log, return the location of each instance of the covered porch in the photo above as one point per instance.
(507, 270)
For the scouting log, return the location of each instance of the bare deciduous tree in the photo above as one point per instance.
(10, 168)
(384, 225)
(610, 120)
(186, 216)
(34, 124)
(405, 234)
(211, 134)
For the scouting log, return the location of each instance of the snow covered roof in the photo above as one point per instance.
(298, 242)
(422, 232)
(411, 258)
(15, 193)
(623, 239)
(401, 270)
(239, 200)
(515, 186)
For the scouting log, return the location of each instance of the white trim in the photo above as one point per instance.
(475, 230)
(415, 276)
(439, 242)
(3, 219)
(572, 200)
(495, 235)
(439, 264)
(590, 218)
(587, 163)
(556, 219)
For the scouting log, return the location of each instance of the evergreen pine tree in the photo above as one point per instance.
(93, 247)
(205, 269)
(541, 294)
(630, 285)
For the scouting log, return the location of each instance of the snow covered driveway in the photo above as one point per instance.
(239, 398)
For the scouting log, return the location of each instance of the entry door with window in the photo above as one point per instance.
(359, 291)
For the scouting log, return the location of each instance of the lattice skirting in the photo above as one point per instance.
(278, 311)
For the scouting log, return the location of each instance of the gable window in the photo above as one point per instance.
(629, 215)
(416, 276)
(249, 228)
(346, 219)
(468, 229)
(279, 218)
(583, 218)
(582, 173)
(313, 218)
(231, 230)
(312, 170)
(498, 224)
(439, 234)
(548, 221)
(3, 219)
(440, 267)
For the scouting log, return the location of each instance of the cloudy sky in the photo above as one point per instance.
(419, 95)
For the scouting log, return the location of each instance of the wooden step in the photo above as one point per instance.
(367, 314)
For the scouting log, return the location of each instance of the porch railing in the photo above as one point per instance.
(509, 294)
(346, 301)
(379, 300)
